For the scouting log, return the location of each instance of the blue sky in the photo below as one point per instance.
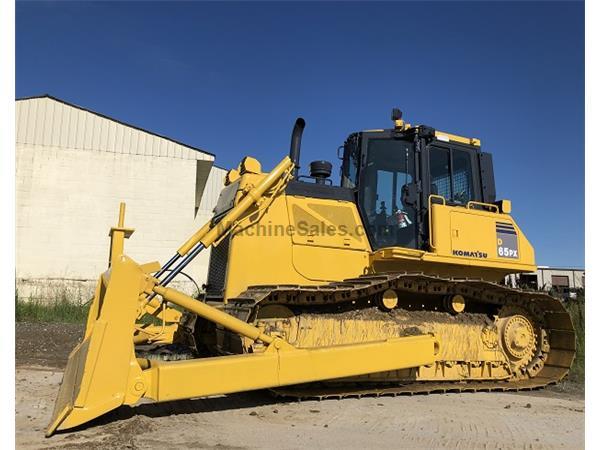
(232, 77)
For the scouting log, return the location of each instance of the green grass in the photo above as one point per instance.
(576, 308)
(60, 309)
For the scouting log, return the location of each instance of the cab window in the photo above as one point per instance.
(462, 177)
(439, 170)
(350, 164)
(451, 174)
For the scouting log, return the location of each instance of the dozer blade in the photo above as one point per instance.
(100, 368)
(103, 373)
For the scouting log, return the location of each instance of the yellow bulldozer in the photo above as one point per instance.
(391, 282)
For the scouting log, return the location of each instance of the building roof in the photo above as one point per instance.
(48, 121)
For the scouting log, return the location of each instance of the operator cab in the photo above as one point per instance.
(394, 172)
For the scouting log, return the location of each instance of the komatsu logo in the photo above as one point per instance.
(469, 254)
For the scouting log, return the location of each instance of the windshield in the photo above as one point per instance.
(389, 166)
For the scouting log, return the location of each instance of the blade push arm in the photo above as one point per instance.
(281, 364)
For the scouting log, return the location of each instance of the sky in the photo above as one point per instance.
(231, 78)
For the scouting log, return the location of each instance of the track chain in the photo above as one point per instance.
(549, 366)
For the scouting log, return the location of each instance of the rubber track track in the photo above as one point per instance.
(546, 309)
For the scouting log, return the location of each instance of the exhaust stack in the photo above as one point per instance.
(295, 144)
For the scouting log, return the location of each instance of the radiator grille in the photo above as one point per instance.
(217, 268)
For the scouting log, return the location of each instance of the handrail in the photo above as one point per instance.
(443, 199)
(485, 205)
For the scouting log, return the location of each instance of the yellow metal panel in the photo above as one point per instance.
(326, 223)
(264, 246)
(463, 242)
(289, 255)
(470, 236)
(323, 264)
(440, 238)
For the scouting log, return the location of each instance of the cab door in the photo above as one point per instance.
(387, 190)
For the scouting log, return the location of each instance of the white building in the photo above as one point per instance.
(73, 168)
(560, 279)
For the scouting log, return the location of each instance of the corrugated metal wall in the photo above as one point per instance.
(212, 189)
(73, 168)
(49, 122)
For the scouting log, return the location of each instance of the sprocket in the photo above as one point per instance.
(519, 336)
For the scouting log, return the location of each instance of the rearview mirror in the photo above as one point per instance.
(410, 194)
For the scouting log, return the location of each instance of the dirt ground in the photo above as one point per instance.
(551, 418)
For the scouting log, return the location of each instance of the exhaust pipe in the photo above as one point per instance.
(295, 144)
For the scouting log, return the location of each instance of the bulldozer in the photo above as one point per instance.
(390, 282)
